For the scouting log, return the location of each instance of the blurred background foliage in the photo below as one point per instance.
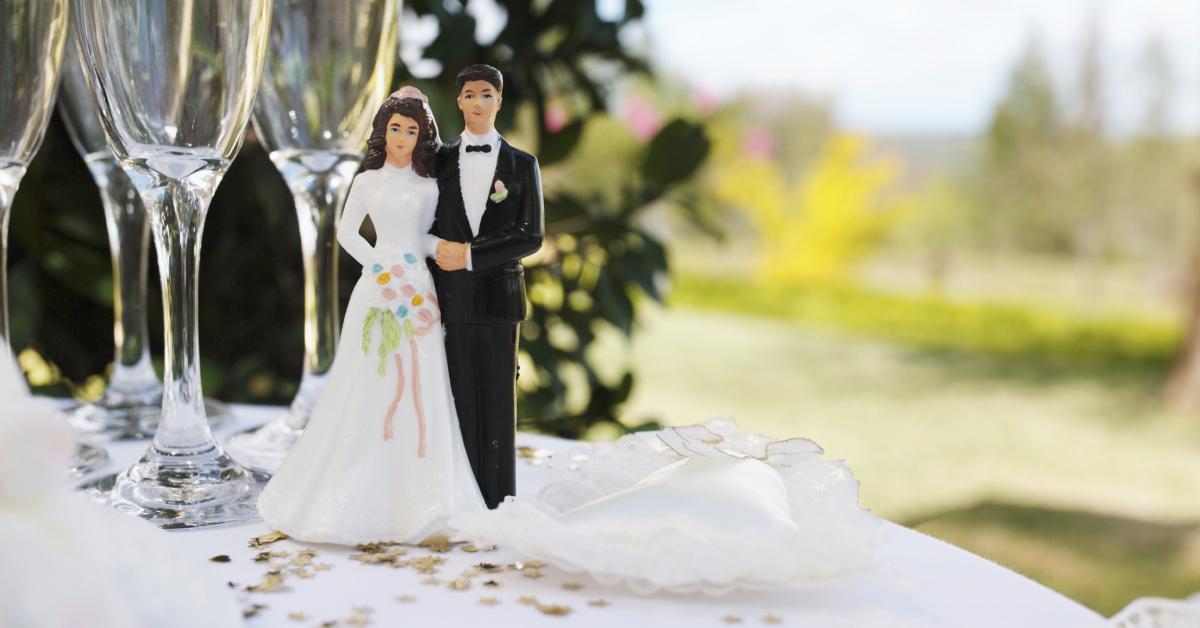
(999, 331)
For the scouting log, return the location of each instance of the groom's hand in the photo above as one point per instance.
(452, 255)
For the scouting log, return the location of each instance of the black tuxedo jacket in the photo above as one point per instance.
(494, 291)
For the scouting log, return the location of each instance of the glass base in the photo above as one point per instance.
(117, 418)
(86, 460)
(204, 489)
(264, 448)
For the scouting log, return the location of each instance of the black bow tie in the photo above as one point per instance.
(479, 148)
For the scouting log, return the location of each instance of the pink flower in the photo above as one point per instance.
(705, 101)
(397, 270)
(556, 118)
(408, 290)
(641, 118)
(758, 144)
(389, 294)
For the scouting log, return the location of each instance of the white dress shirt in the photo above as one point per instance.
(476, 173)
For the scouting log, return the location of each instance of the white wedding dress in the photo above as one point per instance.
(382, 457)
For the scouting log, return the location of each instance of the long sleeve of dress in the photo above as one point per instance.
(429, 214)
(352, 218)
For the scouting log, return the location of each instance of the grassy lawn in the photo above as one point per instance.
(1065, 470)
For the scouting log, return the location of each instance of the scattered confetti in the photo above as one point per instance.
(460, 584)
(470, 548)
(322, 567)
(272, 581)
(439, 543)
(572, 586)
(405, 599)
(267, 539)
(491, 583)
(531, 573)
(298, 616)
(527, 600)
(253, 610)
(427, 564)
(373, 548)
(771, 619)
(554, 610)
(598, 603)
(431, 580)
(731, 619)
(221, 558)
(489, 567)
(489, 601)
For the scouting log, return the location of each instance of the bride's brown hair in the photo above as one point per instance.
(424, 153)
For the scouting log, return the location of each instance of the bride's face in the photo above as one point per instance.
(402, 135)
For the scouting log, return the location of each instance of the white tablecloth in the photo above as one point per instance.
(925, 583)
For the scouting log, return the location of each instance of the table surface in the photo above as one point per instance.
(924, 582)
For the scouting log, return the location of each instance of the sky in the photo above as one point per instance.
(920, 66)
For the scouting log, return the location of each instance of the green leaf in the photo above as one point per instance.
(556, 146)
(372, 315)
(675, 153)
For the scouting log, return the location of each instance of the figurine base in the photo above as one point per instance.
(125, 418)
(203, 489)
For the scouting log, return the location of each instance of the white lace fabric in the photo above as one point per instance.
(701, 508)
(1157, 612)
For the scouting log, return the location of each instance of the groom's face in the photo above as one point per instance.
(479, 101)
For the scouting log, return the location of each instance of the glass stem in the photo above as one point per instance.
(177, 208)
(10, 179)
(128, 239)
(319, 197)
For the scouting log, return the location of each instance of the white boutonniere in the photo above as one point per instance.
(499, 192)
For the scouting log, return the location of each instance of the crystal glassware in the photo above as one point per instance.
(132, 401)
(329, 67)
(173, 84)
(31, 52)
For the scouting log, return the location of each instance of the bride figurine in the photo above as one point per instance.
(382, 458)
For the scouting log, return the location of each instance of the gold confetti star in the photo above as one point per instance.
(554, 610)
(460, 584)
(598, 603)
(491, 583)
(426, 564)
(531, 573)
(489, 601)
(572, 586)
(272, 581)
(771, 619)
(527, 600)
(431, 580)
(267, 539)
(439, 543)
(405, 599)
(298, 616)
(322, 567)
(731, 619)
(253, 610)
(470, 548)
(489, 567)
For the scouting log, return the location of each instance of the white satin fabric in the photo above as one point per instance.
(702, 508)
(348, 480)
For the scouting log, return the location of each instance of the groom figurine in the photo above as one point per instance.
(489, 216)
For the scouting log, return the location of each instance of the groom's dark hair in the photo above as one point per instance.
(480, 72)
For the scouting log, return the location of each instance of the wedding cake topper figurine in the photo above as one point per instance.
(382, 458)
(489, 216)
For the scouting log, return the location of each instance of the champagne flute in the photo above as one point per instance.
(31, 52)
(174, 84)
(329, 67)
(130, 406)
